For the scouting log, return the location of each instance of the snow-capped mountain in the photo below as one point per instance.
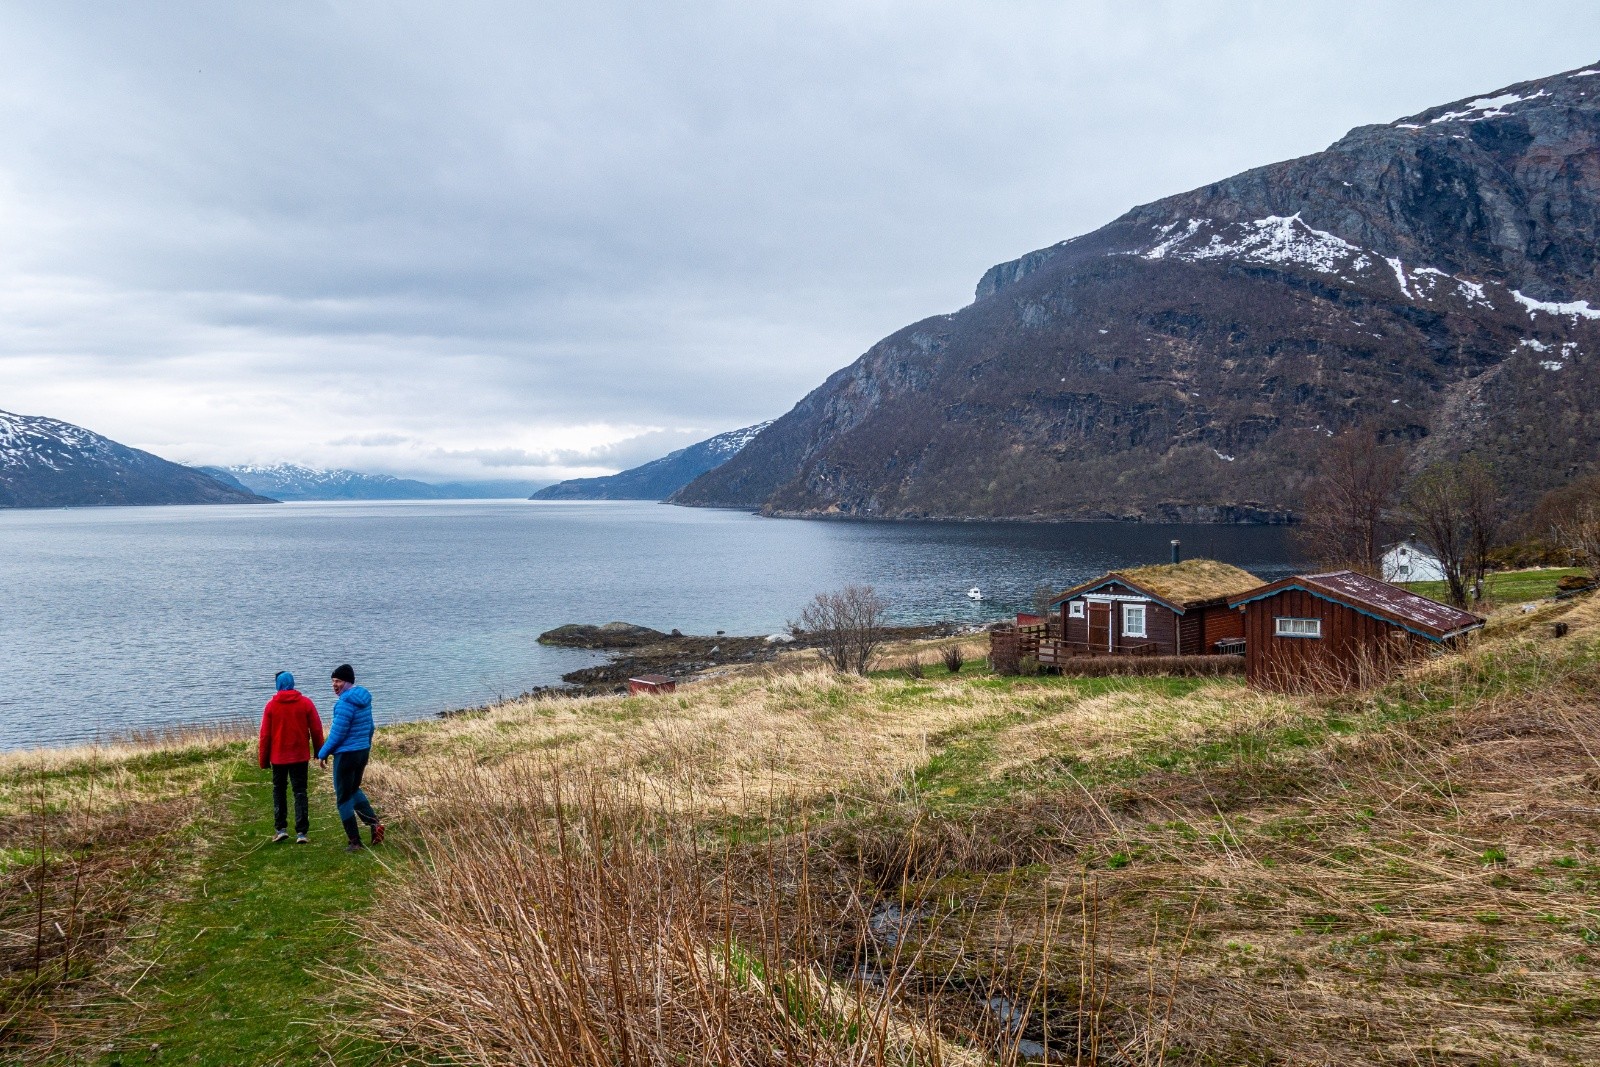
(46, 463)
(660, 478)
(1435, 278)
(290, 481)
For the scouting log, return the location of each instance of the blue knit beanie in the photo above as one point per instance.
(285, 681)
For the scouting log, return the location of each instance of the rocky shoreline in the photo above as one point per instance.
(640, 650)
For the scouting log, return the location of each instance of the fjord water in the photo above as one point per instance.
(115, 620)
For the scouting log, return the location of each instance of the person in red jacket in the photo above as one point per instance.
(291, 730)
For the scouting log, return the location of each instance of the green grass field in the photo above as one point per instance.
(1506, 587)
(243, 971)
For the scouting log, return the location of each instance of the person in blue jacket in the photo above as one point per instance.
(349, 743)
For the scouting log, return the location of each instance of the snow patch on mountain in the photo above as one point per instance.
(1486, 107)
(732, 442)
(1169, 242)
(1274, 239)
(1572, 307)
(1279, 239)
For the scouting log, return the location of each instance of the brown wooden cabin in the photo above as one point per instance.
(1167, 609)
(1336, 630)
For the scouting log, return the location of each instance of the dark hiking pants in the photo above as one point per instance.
(283, 776)
(348, 767)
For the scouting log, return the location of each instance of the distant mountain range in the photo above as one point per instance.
(660, 478)
(46, 463)
(289, 481)
(1435, 278)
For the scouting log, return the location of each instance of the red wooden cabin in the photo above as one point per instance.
(651, 683)
(1334, 630)
(1169, 609)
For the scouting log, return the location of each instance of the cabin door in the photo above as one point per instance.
(1099, 627)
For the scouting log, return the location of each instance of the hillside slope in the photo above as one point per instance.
(45, 463)
(1435, 277)
(660, 478)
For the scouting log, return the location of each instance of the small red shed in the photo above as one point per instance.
(651, 683)
(1340, 629)
(1168, 609)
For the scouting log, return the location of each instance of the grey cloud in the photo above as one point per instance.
(446, 239)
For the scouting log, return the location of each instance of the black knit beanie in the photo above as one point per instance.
(345, 673)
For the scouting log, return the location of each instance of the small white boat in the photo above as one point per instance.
(974, 593)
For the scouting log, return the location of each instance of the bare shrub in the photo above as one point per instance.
(953, 659)
(1579, 532)
(79, 870)
(914, 668)
(848, 625)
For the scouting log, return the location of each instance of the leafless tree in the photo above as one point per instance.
(1570, 517)
(1348, 501)
(1458, 513)
(1043, 593)
(848, 624)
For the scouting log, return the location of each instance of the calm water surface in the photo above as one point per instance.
(119, 619)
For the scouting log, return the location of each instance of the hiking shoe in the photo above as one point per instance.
(301, 839)
(355, 846)
(377, 833)
(279, 836)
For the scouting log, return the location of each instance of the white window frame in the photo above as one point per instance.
(1074, 609)
(1289, 626)
(1129, 612)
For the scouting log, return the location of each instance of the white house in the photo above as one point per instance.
(1408, 561)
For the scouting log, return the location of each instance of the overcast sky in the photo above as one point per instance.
(522, 239)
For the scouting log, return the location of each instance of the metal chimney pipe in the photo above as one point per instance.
(1177, 550)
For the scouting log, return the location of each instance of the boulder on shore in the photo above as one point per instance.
(611, 635)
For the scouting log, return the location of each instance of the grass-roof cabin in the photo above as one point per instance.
(1167, 609)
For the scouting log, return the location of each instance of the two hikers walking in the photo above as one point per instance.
(291, 730)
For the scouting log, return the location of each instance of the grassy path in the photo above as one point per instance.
(237, 968)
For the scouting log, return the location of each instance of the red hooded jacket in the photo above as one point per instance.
(291, 729)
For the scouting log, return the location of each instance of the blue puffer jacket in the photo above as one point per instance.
(351, 730)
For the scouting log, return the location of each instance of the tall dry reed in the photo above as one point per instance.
(567, 922)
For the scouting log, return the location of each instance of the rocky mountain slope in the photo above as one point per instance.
(45, 463)
(1437, 278)
(660, 478)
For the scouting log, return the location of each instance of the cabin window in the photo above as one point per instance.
(1299, 627)
(1133, 620)
(1075, 609)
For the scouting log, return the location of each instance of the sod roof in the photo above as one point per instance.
(1194, 581)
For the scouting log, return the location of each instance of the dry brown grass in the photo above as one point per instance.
(141, 768)
(1402, 876)
(716, 746)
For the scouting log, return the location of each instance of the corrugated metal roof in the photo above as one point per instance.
(1391, 602)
